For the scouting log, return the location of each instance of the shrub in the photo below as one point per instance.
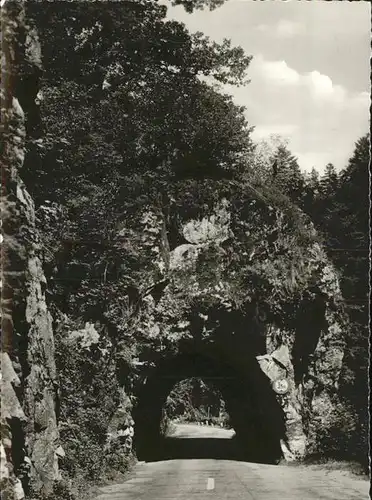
(89, 397)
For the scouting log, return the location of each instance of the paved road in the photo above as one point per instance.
(193, 431)
(223, 479)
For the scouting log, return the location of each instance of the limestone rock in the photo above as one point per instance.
(271, 369)
(28, 344)
(184, 257)
(86, 337)
(214, 228)
(10, 405)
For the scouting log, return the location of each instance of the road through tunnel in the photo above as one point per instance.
(255, 414)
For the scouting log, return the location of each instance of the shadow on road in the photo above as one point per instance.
(173, 448)
(191, 442)
(184, 448)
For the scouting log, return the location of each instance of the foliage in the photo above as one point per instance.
(89, 396)
(271, 163)
(340, 209)
(341, 438)
(190, 5)
(192, 400)
(61, 491)
(132, 79)
(261, 158)
(338, 205)
(289, 178)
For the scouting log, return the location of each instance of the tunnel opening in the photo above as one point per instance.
(196, 401)
(254, 413)
(195, 422)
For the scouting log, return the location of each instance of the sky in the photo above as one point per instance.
(309, 77)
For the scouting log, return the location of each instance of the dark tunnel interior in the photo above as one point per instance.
(255, 414)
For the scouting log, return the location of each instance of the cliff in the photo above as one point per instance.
(29, 433)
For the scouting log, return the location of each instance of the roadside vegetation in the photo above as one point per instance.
(117, 81)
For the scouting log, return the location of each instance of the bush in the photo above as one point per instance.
(89, 397)
(341, 437)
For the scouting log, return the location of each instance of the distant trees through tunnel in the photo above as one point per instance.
(196, 400)
(194, 386)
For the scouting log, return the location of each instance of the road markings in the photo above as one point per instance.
(210, 483)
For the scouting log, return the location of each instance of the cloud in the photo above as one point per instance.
(322, 87)
(321, 83)
(319, 117)
(283, 29)
(288, 29)
(310, 82)
(278, 71)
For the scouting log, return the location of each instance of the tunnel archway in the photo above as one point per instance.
(256, 416)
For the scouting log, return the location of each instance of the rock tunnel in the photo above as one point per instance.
(248, 309)
(255, 414)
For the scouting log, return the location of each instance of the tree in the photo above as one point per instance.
(270, 163)
(329, 182)
(190, 5)
(289, 179)
(127, 57)
(125, 121)
(340, 210)
(353, 259)
(349, 220)
(259, 161)
(313, 181)
(126, 41)
(311, 192)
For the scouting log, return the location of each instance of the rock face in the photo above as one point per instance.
(29, 381)
(253, 283)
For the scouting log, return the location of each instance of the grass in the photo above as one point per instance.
(330, 464)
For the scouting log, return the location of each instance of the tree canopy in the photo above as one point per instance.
(122, 96)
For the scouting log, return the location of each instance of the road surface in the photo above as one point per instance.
(227, 479)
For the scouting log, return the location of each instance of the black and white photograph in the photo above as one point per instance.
(185, 251)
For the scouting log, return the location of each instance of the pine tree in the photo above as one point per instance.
(340, 210)
(329, 182)
(352, 202)
(353, 259)
(289, 178)
(311, 193)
